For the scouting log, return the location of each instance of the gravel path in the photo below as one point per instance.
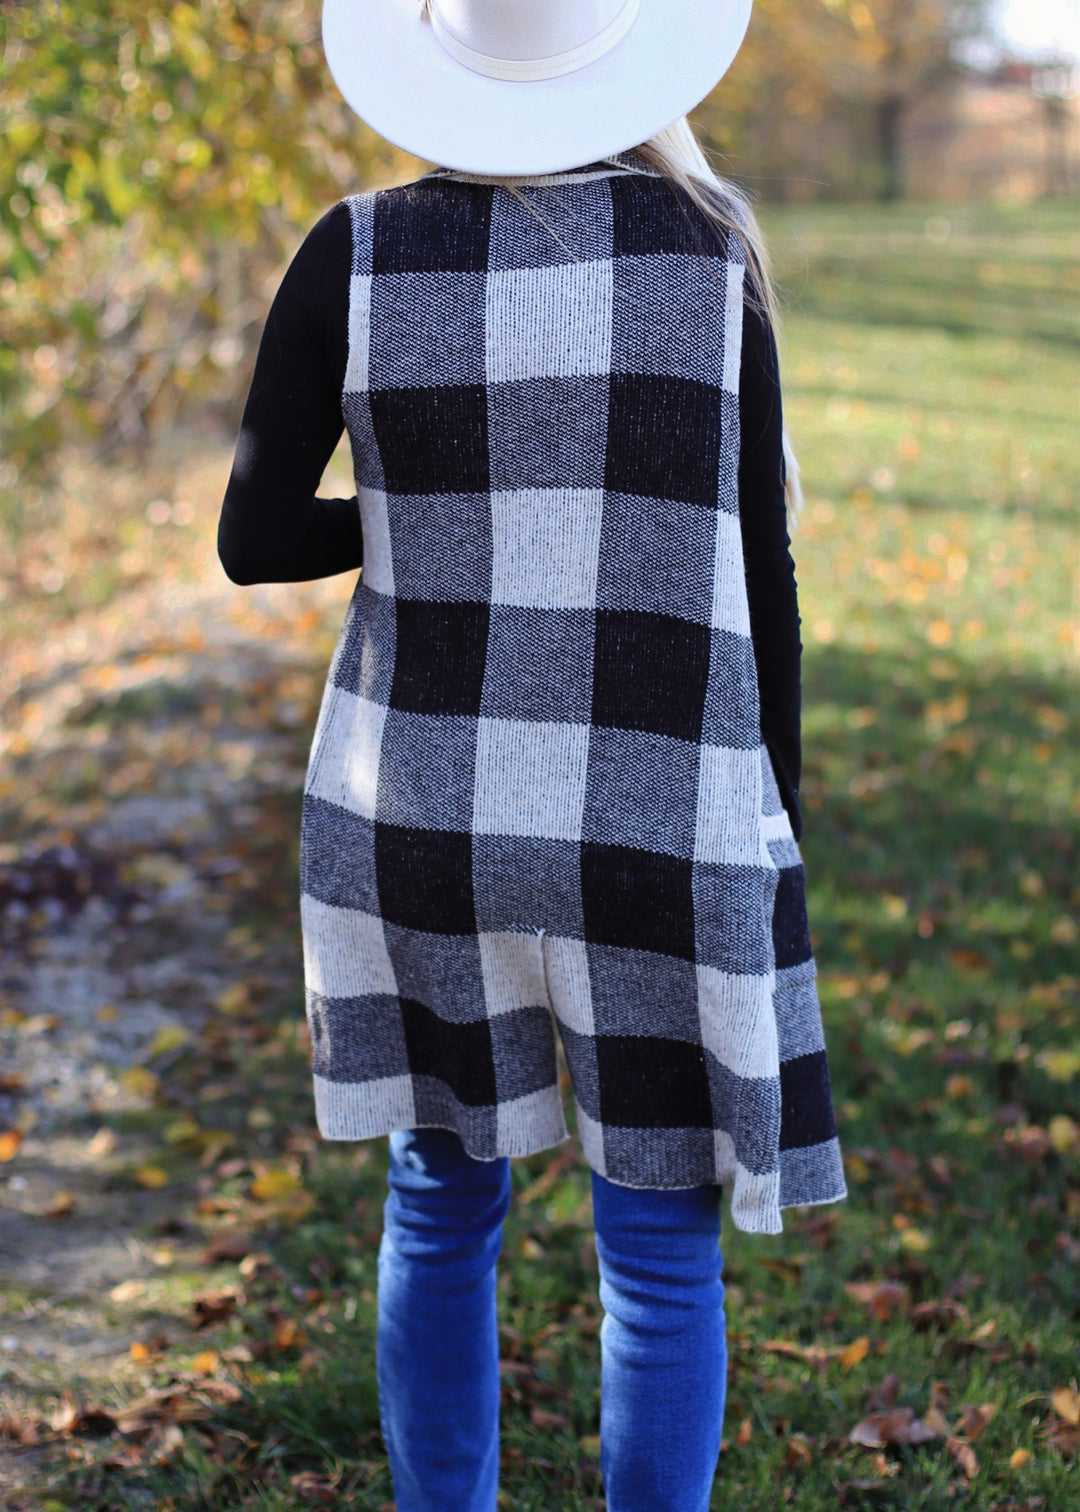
(155, 755)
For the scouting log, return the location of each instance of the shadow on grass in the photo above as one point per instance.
(939, 845)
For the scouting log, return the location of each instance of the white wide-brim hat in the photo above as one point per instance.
(520, 87)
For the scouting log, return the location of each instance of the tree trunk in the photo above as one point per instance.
(890, 113)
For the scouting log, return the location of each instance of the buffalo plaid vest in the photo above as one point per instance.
(538, 807)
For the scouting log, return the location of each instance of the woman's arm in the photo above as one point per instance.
(273, 529)
(770, 571)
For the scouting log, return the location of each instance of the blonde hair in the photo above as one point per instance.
(676, 153)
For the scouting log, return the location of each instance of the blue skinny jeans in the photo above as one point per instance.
(662, 1346)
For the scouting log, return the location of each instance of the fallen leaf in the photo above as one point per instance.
(169, 1037)
(228, 1246)
(205, 1362)
(915, 1241)
(934, 1418)
(1060, 1065)
(310, 1486)
(287, 1334)
(252, 1264)
(745, 1429)
(1065, 1401)
(275, 1184)
(1030, 1143)
(797, 1453)
(16, 1427)
(71, 1417)
(127, 1291)
(788, 1270)
(939, 1313)
(182, 1131)
(855, 1352)
(172, 1404)
(964, 1456)
(974, 1419)
(817, 1355)
(1063, 1133)
(139, 1350)
(38, 1023)
(234, 998)
(103, 1143)
(140, 1081)
(1019, 1458)
(547, 1422)
(10, 1140)
(898, 1426)
(151, 1176)
(214, 1307)
(60, 1205)
(1064, 1438)
(881, 1298)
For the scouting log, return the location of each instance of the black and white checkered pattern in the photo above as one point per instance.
(538, 802)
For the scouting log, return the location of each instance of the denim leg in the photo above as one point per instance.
(437, 1343)
(663, 1350)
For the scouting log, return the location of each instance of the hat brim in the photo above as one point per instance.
(389, 65)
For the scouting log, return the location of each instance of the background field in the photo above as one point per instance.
(187, 1321)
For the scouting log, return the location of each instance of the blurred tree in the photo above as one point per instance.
(159, 160)
(846, 71)
(157, 163)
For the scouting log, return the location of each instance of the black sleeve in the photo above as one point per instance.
(273, 529)
(770, 571)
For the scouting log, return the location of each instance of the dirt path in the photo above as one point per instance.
(155, 754)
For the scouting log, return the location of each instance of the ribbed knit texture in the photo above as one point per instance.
(538, 802)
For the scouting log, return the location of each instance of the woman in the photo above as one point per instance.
(553, 789)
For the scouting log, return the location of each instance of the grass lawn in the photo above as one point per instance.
(931, 362)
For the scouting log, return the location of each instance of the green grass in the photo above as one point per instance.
(931, 391)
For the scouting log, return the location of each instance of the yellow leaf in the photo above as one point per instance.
(1059, 1065)
(854, 1352)
(168, 1037)
(1064, 1133)
(1065, 1401)
(205, 1362)
(915, 1240)
(233, 999)
(275, 1185)
(139, 1080)
(139, 1350)
(287, 1333)
(151, 1176)
(181, 1131)
(1018, 1458)
(10, 1140)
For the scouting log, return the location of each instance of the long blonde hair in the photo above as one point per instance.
(676, 153)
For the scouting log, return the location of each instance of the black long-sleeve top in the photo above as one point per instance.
(275, 529)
